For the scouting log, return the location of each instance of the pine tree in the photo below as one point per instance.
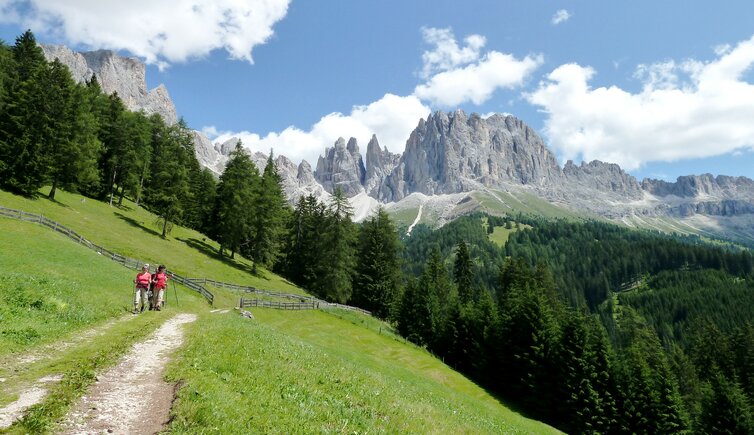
(73, 146)
(169, 183)
(375, 285)
(270, 217)
(236, 194)
(26, 122)
(463, 273)
(725, 408)
(303, 264)
(338, 254)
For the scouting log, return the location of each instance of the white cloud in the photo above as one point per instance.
(560, 16)
(463, 74)
(160, 31)
(447, 54)
(391, 118)
(690, 109)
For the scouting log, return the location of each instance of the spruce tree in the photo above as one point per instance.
(725, 408)
(26, 122)
(271, 210)
(73, 146)
(338, 255)
(236, 194)
(375, 284)
(463, 273)
(169, 183)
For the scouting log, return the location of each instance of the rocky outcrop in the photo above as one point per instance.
(453, 152)
(115, 73)
(208, 155)
(379, 164)
(342, 166)
(604, 177)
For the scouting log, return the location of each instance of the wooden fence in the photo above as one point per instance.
(130, 263)
(248, 303)
(292, 296)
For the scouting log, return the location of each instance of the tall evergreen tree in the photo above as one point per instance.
(338, 251)
(73, 146)
(268, 222)
(26, 123)
(375, 284)
(463, 272)
(169, 182)
(304, 247)
(235, 197)
(725, 408)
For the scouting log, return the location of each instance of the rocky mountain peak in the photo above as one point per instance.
(453, 152)
(115, 73)
(341, 166)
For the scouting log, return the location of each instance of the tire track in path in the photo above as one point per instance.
(131, 397)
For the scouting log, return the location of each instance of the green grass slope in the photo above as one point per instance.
(312, 372)
(283, 372)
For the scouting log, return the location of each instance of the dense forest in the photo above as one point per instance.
(588, 326)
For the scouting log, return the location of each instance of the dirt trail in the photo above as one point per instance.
(12, 412)
(132, 397)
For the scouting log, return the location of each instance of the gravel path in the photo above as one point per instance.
(132, 397)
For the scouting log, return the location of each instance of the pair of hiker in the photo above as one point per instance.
(146, 282)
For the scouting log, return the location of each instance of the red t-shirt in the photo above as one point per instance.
(159, 280)
(142, 279)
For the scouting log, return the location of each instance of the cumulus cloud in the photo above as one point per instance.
(478, 81)
(560, 16)
(391, 118)
(447, 54)
(688, 109)
(463, 74)
(160, 31)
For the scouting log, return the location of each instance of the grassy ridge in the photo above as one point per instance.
(314, 372)
(131, 231)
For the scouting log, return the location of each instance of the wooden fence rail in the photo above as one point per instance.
(130, 263)
(247, 303)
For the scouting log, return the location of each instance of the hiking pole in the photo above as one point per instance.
(175, 293)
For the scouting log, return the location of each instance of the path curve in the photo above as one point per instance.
(132, 397)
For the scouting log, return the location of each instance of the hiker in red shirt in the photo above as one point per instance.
(141, 287)
(159, 282)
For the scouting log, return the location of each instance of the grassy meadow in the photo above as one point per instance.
(310, 371)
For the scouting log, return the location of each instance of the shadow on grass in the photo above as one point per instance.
(208, 250)
(136, 224)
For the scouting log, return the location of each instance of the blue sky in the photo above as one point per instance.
(662, 88)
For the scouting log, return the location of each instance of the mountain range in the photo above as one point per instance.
(455, 163)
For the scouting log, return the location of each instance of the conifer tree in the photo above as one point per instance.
(375, 284)
(73, 146)
(271, 210)
(463, 273)
(303, 262)
(725, 408)
(169, 183)
(25, 122)
(338, 251)
(235, 197)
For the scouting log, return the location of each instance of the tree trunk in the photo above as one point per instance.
(120, 196)
(51, 195)
(112, 186)
(141, 185)
(165, 226)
